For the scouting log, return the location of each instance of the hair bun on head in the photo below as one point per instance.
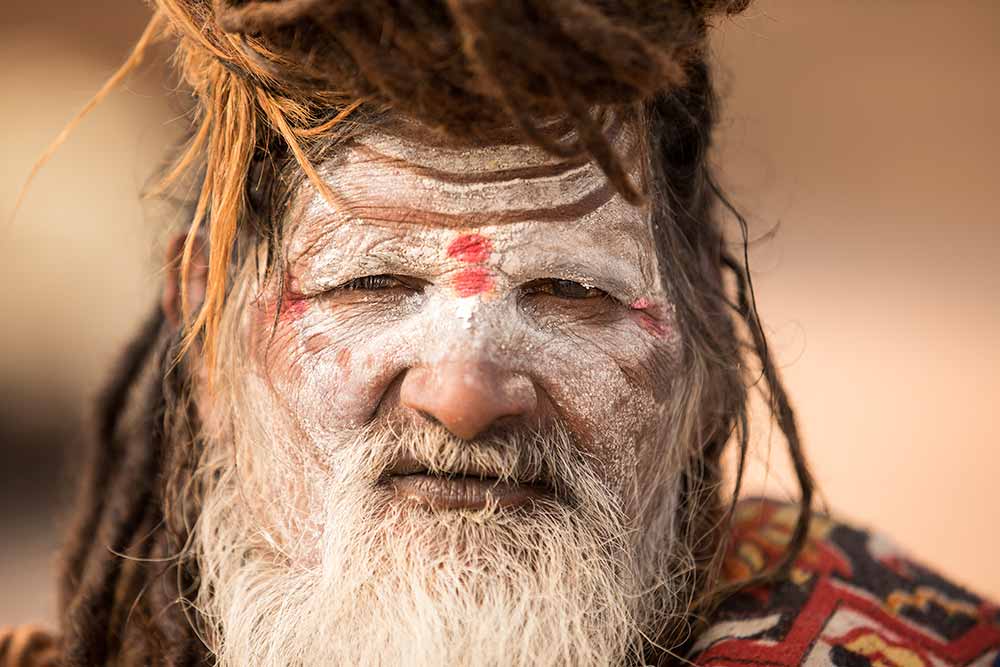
(467, 66)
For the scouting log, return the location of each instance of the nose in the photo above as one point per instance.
(467, 397)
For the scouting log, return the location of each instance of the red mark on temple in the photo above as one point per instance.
(642, 303)
(647, 316)
(292, 307)
(287, 307)
(472, 248)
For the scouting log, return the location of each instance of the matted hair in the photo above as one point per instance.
(277, 82)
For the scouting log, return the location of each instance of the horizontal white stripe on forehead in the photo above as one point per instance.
(409, 144)
(381, 170)
(475, 160)
(360, 181)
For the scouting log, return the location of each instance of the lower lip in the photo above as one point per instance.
(464, 493)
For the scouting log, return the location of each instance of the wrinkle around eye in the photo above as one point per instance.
(552, 311)
(378, 288)
(372, 283)
(563, 288)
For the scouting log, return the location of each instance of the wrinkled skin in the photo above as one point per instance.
(444, 430)
(482, 288)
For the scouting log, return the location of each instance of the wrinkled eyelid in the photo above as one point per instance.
(550, 285)
(616, 293)
(560, 282)
(622, 290)
(380, 281)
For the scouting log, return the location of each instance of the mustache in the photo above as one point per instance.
(549, 458)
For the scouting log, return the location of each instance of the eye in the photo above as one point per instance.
(563, 289)
(382, 282)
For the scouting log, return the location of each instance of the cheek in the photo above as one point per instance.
(609, 386)
(326, 370)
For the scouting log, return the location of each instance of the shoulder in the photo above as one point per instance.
(853, 600)
(27, 646)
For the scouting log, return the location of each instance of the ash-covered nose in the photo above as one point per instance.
(467, 397)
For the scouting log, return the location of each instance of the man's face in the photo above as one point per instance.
(484, 290)
(459, 382)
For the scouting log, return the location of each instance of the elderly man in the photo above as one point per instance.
(445, 365)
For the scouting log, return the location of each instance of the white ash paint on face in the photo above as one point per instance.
(401, 210)
(306, 559)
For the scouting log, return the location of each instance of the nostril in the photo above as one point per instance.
(429, 417)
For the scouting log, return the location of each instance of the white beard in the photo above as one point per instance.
(378, 582)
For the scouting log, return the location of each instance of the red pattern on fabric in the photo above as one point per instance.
(847, 605)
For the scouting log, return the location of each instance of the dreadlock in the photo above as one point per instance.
(277, 81)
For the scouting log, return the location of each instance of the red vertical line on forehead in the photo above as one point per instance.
(472, 281)
(473, 249)
(470, 248)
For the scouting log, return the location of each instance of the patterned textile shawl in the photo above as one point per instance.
(852, 600)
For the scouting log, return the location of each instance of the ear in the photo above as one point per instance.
(197, 278)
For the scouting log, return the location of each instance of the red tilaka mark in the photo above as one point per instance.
(644, 313)
(473, 280)
(472, 248)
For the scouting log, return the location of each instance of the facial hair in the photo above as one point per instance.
(363, 577)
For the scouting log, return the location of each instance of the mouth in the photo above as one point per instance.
(462, 490)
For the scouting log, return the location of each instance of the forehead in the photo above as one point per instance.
(402, 181)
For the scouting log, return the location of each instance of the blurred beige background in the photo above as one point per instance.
(864, 130)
